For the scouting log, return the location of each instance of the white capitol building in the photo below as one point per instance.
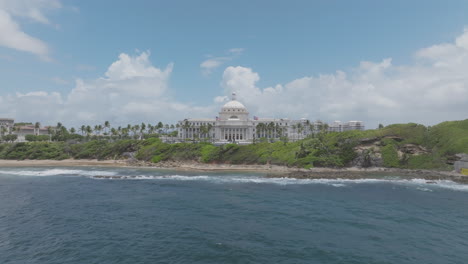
(233, 125)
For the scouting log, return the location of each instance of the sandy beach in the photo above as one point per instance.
(184, 166)
(273, 170)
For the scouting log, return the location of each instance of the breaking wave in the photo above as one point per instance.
(419, 184)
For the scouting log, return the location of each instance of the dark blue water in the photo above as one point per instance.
(66, 215)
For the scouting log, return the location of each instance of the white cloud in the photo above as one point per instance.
(131, 91)
(32, 9)
(12, 37)
(431, 89)
(11, 34)
(212, 63)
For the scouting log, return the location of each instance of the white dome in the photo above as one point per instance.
(233, 105)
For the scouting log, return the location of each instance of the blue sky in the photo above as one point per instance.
(270, 52)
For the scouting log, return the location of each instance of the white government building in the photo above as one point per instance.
(233, 125)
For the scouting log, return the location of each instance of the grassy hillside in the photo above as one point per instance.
(401, 145)
(449, 138)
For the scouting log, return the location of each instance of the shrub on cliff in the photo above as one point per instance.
(390, 154)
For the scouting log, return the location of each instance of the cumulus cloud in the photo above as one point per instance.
(132, 90)
(11, 34)
(431, 89)
(212, 63)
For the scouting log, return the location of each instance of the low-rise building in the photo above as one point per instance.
(23, 130)
(6, 125)
(338, 126)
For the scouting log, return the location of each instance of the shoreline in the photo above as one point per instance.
(272, 171)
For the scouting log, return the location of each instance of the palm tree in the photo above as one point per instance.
(37, 125)
(142, 128)
(58, 128)
(150, 129)
(49, 132)
(3, 130)
(114, 132)
(106, 126)
(186, 127)
(203, 130)
(89, 130)
(159, 126)
(166, 128)
(312, 129)
(270, 129)
(209, 127)
(307, 127)
(300, 128)
(72, 130)
(259, 128)
(83, 129)
(135, 128)
(294, 129)
(278, 131)
(125, 131)
(325, 128)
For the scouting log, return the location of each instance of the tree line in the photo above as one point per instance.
(86, 132)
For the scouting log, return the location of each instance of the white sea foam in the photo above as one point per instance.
(420, 184)
(56, 172)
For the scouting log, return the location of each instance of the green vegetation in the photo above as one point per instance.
(410, 146)
(449, 137)
(390, 154)
(37, 150)
(31, 138)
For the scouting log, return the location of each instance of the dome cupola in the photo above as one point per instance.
(233, 106)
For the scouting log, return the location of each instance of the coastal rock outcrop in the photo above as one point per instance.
(369, 151)
(462, 162)
(413, 149)
(367, 157)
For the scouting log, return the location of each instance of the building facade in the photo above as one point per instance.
(234, 125)
(338, 126)
(6, 125)
(24, 130)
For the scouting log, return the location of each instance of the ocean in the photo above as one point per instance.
(75, 215)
